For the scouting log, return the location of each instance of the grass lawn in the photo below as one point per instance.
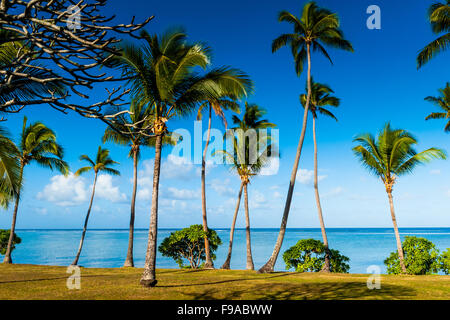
(48, 282)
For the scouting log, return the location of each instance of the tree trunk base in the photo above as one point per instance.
(128, 263)
(226, 265)
(7, 260)
(148, 283)
(267, 268)
(208, 265)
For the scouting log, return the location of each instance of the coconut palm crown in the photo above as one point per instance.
(439, 17)
(443, 102)
(392, 154)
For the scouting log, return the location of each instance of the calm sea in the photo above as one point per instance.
(107, 248)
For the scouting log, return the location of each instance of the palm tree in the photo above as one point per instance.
(163, 77)
(21, 89)
(102, 163)
(389, 156)
(439, 16)
(315, 28)
(37, 144)
(232, 84)
(9, 169)
(443, 101)
(320, 98)
(247, 164)
(130, 131)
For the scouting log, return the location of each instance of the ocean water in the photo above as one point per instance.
(107, 248)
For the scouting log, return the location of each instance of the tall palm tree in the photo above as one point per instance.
(163, 76)
(247, 164)
(315, 28)
(232, 84)
(9, 169)
(439, 16)
(21, 89)
(102, 163)
(130, 131)
(37, 144)
(389, 156)
(320, 98)
(443, 101)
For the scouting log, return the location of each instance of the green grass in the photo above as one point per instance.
(48, 282)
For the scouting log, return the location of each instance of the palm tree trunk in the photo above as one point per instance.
(226, 264)
(326, 266)
(8, 258)
(75, 262)
(149, 276)
(129, 262)
(208, 263)
(270, 264)
(250, 265)
(397, 235)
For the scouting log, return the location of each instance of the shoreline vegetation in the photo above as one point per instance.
(25, 282)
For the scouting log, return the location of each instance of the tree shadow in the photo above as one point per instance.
(223, 281)
(307, 291)
(56, 278)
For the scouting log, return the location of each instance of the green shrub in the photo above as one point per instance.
(189, 244)
(444, 261)
(4, 238)
(309, 255)
(421, 257)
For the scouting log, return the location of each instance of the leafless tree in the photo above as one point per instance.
(65, 41)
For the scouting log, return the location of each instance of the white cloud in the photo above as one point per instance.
(435, 172)
(72, 190)
(333, 192)
(448, 192)
(272, 168)
(306, 176)
(222, 187)
(64, 191)
(106, 190)
(181, 194)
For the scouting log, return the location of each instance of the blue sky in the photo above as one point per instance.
(377, 83)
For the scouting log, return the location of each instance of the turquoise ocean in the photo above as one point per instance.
(107, 248)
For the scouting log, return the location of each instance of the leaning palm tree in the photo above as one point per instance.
(102, 163)
(389, 156)
(320, 98)
(247, 161)
(9, 169)
(37, 144)
(129, 130)
(443, 101)
(315, 28)
(439, 16)
(163, 76)
(232, 84)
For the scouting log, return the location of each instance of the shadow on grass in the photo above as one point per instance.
(224, 281)
(56, 278)
(307, 291)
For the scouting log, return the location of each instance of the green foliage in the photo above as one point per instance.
(443, 102)
(189, 243)
(4, 238)
(421, 257)
(102, 163)
(392, 153)
(444, 261)
(309, 255)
